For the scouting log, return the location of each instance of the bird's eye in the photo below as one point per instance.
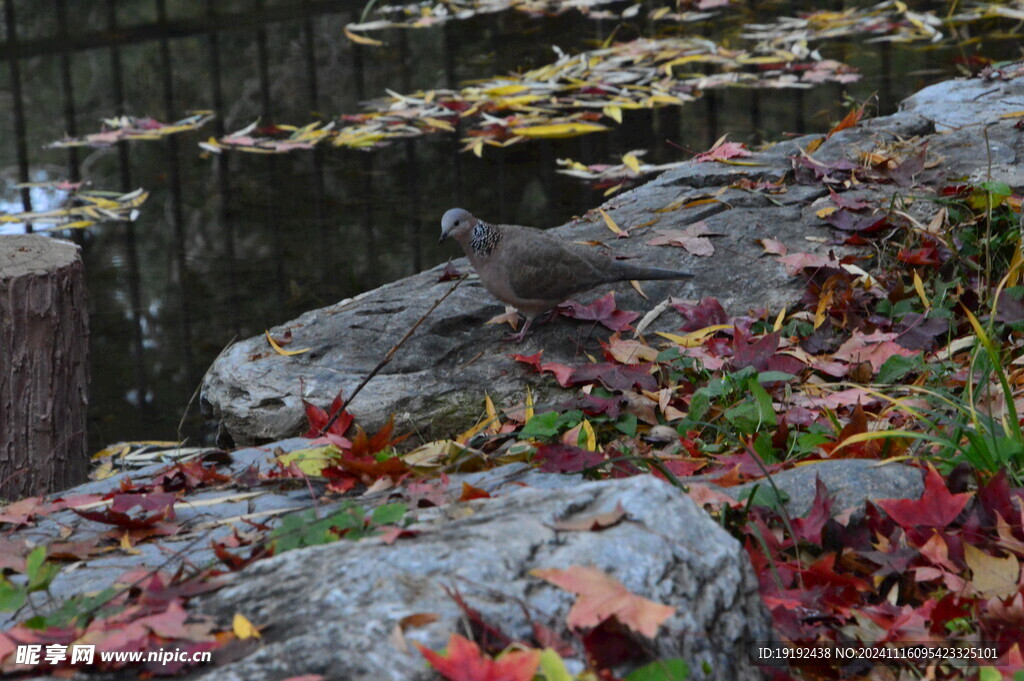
(456, 223)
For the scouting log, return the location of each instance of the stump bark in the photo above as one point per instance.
(44, 368)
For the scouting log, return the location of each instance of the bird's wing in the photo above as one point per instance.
(543, 267)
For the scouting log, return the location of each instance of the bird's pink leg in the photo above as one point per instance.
(518, 337)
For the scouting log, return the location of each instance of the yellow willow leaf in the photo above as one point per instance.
(281, 351)
(104, 471)
(822, 311)
(466, 436)
(694, 338)
(588, 430)
(631, 162)
(505, 90)
(79, 224)
(528, 412)
(557, 130)
(438, 123)
(660, 12)
(813, 146)
(919, 287)
(826, 211)
(611, 223)
(614, 112)
(611, 190)
(492, 415)
(516, 102)
(243, 628)
(116, 451)
(478, 147)
(636, 284)
(126, 545)
(778, 320)
(1013, 276)
(1013, 114)
(781, 56)
(361, 39)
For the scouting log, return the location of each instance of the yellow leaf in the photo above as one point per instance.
(778, 320)
(492, 415)
(660, 12)
(505, 90)
(694, 338)
(613, 112)
(529, 406)
(631, 162)
(244, 628)
(992, 577)
(636, 285)
(439, 124)
(826, 211)
(281, 351)
(611, 190)
(432, 454)
(117, 450)
(919, 287)
(557, 130)
(822, 311)
(126, 545)
(80, 224)
(361, 39)
(588, 430)
(813, 146)
(311, 460)
(1013, 114)
(611, 223)
(103, 471)
(552, 666)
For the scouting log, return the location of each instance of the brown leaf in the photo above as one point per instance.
(591, 523)
(602, 597)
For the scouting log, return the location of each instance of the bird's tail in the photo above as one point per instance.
(629, 271)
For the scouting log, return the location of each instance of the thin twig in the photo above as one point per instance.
(391, 353)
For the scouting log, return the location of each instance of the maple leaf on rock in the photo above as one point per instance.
(602, 310)
(694, 239)
(602, 596)
(465, 662)
(936, 508)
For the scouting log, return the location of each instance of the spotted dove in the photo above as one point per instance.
(532, 270)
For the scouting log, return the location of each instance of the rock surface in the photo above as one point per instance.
(435, 383)
(333, 609)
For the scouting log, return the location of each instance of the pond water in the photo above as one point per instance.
(227, 246)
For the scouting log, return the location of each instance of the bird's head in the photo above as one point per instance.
(458, 224)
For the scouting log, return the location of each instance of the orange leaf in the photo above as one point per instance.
(465, 662)
(602, 596)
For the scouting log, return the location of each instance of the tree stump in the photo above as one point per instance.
(44, 367)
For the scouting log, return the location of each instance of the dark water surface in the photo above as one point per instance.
(229, 246)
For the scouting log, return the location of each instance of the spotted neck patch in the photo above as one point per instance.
(484, 239)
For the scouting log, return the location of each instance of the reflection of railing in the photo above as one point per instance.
(177, 28)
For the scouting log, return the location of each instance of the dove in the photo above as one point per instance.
(534, 271)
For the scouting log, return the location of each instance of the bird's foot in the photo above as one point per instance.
(518, 337)
(549, 316)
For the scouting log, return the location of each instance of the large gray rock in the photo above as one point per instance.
(332, 609)
(435, 383)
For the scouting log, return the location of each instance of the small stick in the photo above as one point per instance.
(391, 353)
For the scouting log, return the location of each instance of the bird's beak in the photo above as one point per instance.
(444, 235)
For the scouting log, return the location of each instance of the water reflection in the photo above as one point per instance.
(231, 244)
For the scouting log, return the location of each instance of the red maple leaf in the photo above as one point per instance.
(465, 662)
(936, 508)
(318, 418)
(602, 310)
